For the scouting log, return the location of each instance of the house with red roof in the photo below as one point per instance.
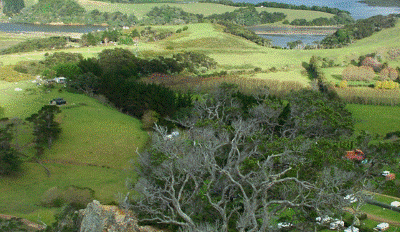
(356, 154)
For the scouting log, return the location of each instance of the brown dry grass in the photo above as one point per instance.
(362, 95)
(205, 84)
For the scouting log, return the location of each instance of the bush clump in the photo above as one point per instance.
(72, 195)
(362, 73)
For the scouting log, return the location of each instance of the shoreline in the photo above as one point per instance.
(292, 33)
(294, 30)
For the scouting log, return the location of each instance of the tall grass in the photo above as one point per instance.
(370, 96)
(205, 84)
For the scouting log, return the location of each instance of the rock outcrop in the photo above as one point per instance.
(99, 218)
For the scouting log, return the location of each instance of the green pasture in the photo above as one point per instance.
(21, 195)
(384, 199)
(295, 14)
(381, 212)
(377, 119)
(94, 149)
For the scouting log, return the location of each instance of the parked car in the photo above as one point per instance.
(58, 101)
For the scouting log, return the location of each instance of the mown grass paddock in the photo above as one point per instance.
(94, 149)
(373, 118)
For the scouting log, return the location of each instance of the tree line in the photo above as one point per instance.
(69, 11)
(362, 28)
(248, 16)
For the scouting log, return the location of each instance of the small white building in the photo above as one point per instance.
(351, 198)
(395, 204)
(336, 224)
(382, 227)
(385, 173)
(282, 225)
(351, 229)
(60, 80)
(323, 220)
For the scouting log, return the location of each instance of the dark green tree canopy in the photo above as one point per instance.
(11, 7)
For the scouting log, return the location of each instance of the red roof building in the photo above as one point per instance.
(357, 154)
(391, 176)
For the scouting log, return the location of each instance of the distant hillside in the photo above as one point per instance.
(395, 3)
(146, 1)
(70, 12)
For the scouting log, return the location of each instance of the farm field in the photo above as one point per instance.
(94, 150)
(379, 119)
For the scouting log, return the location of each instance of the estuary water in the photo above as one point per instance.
(282, 40)
(21, 27)
(358, 10)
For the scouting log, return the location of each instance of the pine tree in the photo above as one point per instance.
(46, 130)
(10, 161)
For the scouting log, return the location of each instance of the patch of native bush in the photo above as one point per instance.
(75, 196)
(372, 62)
(388, 73)
(7, 73)
(362, 73)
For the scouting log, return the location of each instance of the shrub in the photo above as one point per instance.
(388, 73)
(29, 67)
(75, 196)
(149, 118)
(179, 31)
(185, 28)
(343, 84)
(52, 198)
(354, 73)
(372, 62)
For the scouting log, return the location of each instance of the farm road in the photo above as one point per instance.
(377, 218)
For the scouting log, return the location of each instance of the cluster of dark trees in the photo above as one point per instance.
(45, 131)
(248, 16)
(241, 31)
(336, 20)
(248, 162)
(69, 11)
(116, 71)
(11, 7)
(56, 42)
(170, 15)
(326, 9)
(362, 28)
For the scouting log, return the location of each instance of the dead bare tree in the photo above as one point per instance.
(219, 171)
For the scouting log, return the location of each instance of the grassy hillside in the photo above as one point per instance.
(93, 151)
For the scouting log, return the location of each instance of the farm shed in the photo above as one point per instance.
(395, 204)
